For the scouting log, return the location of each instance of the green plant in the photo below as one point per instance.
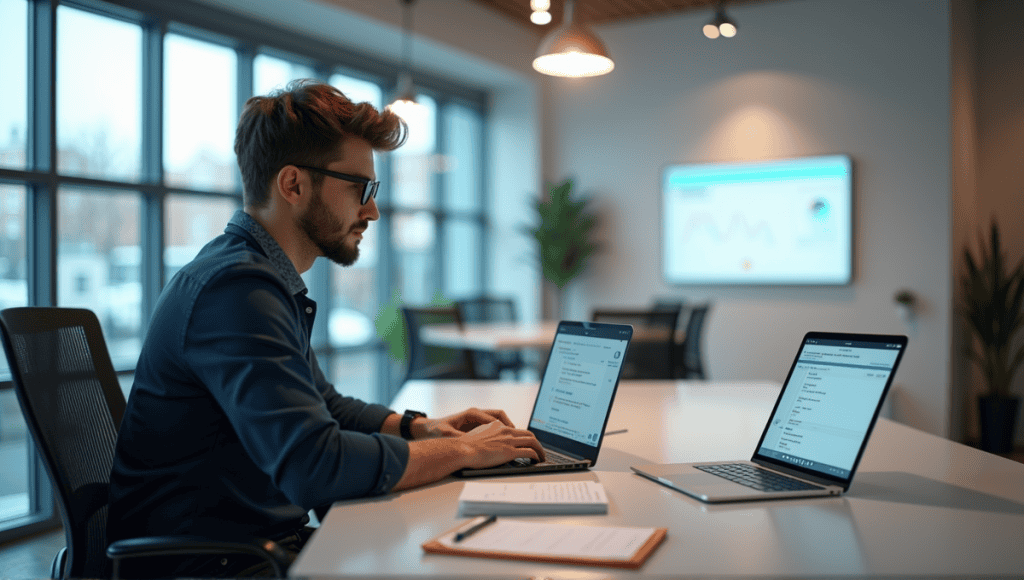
(391, 326)
(563, 233)
(993, 304)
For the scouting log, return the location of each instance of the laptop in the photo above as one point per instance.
(817, 431)
(575, 398)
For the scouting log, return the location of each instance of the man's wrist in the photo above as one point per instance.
(405, 425)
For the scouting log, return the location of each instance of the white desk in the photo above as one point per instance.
(919, 505)
(491, 335)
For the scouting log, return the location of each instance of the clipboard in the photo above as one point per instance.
(444, 544)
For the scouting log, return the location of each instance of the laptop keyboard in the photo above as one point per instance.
(754, 477)
(551, 459)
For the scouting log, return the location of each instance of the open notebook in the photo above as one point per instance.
(574, 399)
(817, 431)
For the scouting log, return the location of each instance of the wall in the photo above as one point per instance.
(870, 79)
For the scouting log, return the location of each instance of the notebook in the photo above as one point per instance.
(574, 399)
(817, 431)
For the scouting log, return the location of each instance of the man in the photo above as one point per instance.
(231, 430)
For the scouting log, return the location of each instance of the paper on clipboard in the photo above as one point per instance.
(567, 543)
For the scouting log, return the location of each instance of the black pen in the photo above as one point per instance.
(475, 528)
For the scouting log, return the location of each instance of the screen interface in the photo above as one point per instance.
(578, 385)
(828, 404)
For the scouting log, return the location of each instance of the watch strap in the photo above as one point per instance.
(405, 425)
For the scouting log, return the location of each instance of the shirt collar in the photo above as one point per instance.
(272, 249)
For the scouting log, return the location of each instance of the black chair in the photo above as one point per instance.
(427, 361)
(689, 356)
(73, 404)
(490, 364)
(647, 357)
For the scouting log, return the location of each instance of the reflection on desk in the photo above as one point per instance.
(919, 505)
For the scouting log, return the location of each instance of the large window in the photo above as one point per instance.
(117, 165)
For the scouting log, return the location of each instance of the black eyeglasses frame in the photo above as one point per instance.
(369, 186)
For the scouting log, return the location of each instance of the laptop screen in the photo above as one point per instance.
(579, 381)
(830, 401)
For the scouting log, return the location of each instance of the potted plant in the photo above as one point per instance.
(563, 232)
(993, 305)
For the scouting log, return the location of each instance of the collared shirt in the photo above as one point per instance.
(231, 429)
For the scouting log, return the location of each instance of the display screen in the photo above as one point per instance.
(785, 221)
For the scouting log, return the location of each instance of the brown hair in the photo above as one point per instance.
(303, 124)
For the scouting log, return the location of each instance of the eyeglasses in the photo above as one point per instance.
(369, 187)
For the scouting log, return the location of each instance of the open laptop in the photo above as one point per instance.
(575, 397)
(817, 431)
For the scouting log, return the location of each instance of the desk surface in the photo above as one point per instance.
(919, 505)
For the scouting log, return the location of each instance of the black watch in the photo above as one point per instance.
(406, 422)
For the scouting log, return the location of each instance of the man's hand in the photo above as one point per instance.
(458, 424)
(496, 443)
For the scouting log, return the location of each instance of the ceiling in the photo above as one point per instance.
(605, 11)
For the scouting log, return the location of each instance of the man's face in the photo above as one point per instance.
(334, 219)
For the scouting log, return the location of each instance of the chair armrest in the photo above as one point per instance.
(269, 550)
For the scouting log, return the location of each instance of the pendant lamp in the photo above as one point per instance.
(405, 105)
(572, 50)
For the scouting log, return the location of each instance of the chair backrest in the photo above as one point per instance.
(646, 358)
(487, 309)
(690, 358)
(73, 404)
(434, 362)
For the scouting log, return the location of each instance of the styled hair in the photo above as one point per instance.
(303, 124)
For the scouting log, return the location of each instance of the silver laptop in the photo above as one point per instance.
(817, 431)
(575, 397)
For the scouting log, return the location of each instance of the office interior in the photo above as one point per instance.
(925, 96)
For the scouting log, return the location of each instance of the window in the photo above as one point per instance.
(147, 97)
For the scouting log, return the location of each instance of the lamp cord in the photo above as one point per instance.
(407, 36)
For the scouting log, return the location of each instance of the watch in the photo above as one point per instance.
(406, 422)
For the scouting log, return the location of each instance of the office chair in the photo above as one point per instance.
(646, 358)
(689, 355)
(72, 403)
(490, 364)
(427, 361)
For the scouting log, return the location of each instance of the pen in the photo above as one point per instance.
(615, 432)
(475, 528)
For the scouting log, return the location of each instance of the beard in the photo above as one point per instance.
(320, 226)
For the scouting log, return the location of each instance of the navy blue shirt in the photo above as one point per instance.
(231, 428)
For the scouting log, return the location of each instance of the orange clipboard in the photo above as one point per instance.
(636, 560)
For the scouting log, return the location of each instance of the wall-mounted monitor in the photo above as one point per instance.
(785, 221)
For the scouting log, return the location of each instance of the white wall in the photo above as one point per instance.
(868, 78)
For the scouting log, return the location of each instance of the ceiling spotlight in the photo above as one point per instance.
(572, 50)
(720, 25)
(540, 17)
(540, 5)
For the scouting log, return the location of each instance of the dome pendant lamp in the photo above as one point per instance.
(405, 104)
(572, 50)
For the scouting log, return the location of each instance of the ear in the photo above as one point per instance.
(290, 182)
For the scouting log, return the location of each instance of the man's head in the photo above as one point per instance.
(304, 124)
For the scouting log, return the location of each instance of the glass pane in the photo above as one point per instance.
(354, 295)
(358, 90)
(14, 456)
(13, 254)
(200, 114)
(462, 246)
(99, 264)
(190, 222)
(14, 96)
(463, 142)
(99, 96)
(354, 374)
(413, 162)
(413, 238)
(271, 73)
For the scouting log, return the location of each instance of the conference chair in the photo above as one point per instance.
(73, 404)
(689, 355)
(427, 361)
(648, 357)
(490, 364)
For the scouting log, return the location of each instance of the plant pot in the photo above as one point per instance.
(998, 418)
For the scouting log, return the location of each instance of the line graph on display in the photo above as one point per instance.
(738, 228)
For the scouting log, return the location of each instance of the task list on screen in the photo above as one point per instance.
(578, 384)
(828, 405)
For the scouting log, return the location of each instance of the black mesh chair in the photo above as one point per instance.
(648, 357)
(427, 361)
(73, 404)
(689, 356)
(490, 364)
